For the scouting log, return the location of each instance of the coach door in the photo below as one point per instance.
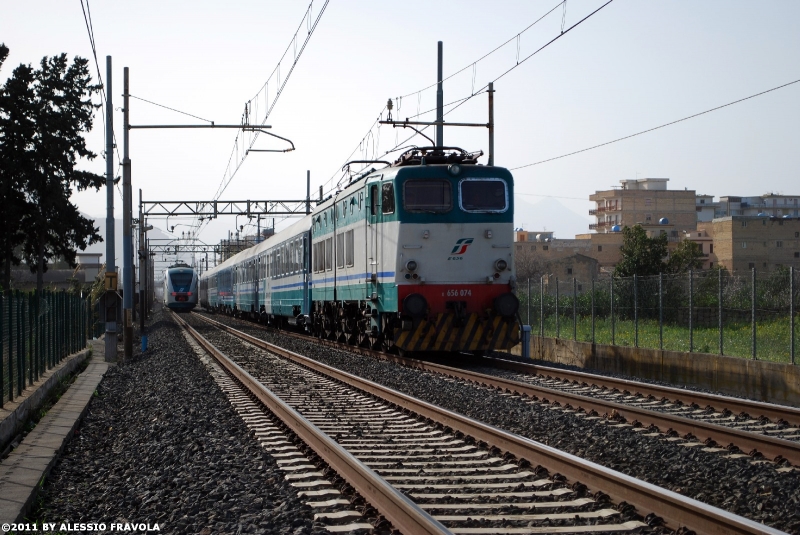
(373, 238)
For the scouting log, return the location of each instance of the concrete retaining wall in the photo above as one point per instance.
(752, 379)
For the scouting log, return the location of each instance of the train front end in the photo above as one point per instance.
(455, 267)
(181, 288)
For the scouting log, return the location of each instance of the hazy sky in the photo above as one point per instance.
(632, 66)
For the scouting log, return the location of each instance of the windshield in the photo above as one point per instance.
(483, 195)
(181, 282)
(427, 195)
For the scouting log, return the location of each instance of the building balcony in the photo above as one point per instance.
(600, 225)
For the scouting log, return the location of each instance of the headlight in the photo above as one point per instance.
(411, 265)
(506, 304)
(454, 169)
(500, 265)
(415, 305)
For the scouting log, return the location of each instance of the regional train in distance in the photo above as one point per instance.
(416, 256)
(180, 287)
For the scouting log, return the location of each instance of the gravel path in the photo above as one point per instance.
(162, 444)
(756, 491)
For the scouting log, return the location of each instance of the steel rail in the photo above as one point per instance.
(771, 410)
(675, 509)
(404, 514)
(770, 447)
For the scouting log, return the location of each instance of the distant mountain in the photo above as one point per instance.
(551, 215)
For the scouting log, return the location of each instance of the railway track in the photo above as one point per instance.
(715, 423)
(428, 470)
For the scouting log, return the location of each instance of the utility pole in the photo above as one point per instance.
(439, 103)
(491, 123)
(111, 322)
(308, 192)
(127, 249)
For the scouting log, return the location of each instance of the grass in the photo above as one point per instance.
(772, 336)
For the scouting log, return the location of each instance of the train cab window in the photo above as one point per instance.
(483, 195)
(423, 195)
(340, 250)
(373, 194)
(349, 247)
(387, 198)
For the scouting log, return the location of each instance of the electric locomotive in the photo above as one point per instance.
(180, 287)
(418, 256)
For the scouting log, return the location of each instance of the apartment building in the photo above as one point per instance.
(646, 201)
(769, 204)
(744, 242)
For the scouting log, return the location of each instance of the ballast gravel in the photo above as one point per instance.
(755, 490)
(161, 444)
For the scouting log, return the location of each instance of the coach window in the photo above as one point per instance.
(483, 195)
(425, 195)
(328, 254)
(387, 198)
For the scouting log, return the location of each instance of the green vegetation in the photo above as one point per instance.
(640, 311)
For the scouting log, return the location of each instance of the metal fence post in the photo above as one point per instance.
(753, 312)
(30, 357)
(791, 314)
(613, 333)
(593, 309)
(20, 343)
(574, 309)
(661, 311)
(541, 306)
(11, 347)
(529, 300)
(558, 322)
(635, 311)
(2, 382)
(719, 314)
(691, 310)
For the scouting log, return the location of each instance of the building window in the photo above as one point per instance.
(544, 247)
(569, 271)
(648, 217)
(702, 201)
(744, 245)
(648, 202)
(533, 247)
(710, 265)
(744, 223)
(797, 255)
(701, 247)
(765, 264)
(797, 234)
(778, 243)
(764, 222)
(710, 248)
(599, 248)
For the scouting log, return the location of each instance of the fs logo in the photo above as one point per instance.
(461, 246)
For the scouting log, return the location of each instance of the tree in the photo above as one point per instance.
(687, 255)
(641, 255)
(57, 99)
(17, 128)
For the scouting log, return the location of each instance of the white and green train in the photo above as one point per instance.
(417, 256)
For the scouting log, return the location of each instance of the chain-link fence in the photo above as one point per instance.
(36, 333)
(743, 314)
